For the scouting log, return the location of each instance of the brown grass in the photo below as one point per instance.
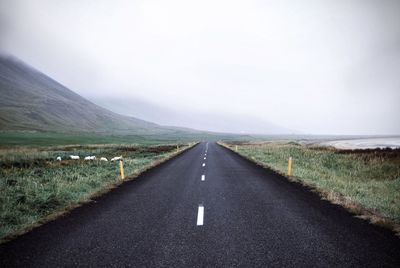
(373, 216)
(105, 189)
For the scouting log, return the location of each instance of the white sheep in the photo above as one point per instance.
(74, 157)
(103, 159)
(116, 158)
(90, 157)
(58, 158)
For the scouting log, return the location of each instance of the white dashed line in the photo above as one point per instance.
(203, 177)
(200, 215)
(205, 158)
(204, 164)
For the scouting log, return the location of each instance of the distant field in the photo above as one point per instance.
(369, 178)
(33, 185)
(43, 139)
(33, 139)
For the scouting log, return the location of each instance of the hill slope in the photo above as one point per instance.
(31, 100)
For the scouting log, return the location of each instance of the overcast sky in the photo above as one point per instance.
(322, 67)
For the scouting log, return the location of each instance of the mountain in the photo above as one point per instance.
(216, 122)
(30, 100)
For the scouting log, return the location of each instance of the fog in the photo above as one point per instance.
(312, 67)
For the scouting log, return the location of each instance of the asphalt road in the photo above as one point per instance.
(251, 218)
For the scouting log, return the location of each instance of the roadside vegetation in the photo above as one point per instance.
(35, 186)
(365, 181)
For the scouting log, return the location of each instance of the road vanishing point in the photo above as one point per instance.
(207, 207)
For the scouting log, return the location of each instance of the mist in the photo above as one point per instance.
(316, 67)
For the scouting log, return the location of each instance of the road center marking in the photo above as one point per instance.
(205, 158)
(203, 177)
(200, 215)
(204, 164)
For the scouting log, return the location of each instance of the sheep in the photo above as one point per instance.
(116, 158)
(103, 159)
(74, 157)
(90, 158)
(58, 158)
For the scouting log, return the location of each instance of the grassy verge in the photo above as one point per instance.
(34, 187)
(365, 181)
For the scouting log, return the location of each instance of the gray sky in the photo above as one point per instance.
(322, 67)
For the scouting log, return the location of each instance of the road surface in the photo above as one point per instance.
(211, 209)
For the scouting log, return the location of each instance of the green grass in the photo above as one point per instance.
(370, 178)
(44, 139)
(33, 185)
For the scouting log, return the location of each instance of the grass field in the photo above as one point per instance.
(370, 178)
(45, 139)
(33, 185)
(11, 139)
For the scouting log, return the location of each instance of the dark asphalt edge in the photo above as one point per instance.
(107, 188)
(355, 209)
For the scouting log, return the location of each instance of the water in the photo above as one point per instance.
(365, 143)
